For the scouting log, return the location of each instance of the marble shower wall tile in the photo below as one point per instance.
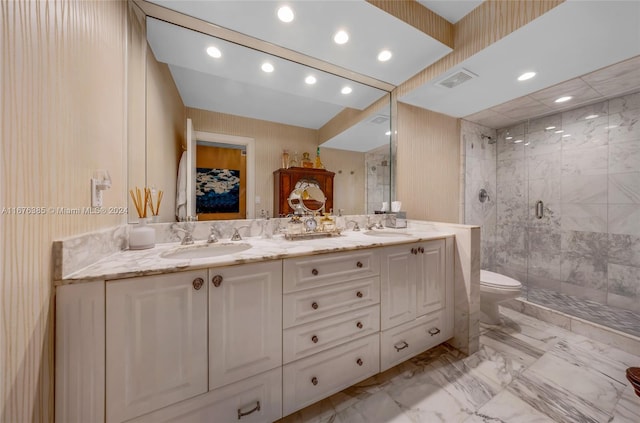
(553, 122)
(624, 103)
(578, 115)
(624, 126)
(543, 142)
(585, 161)
(585, 189)
(586, 133)
(624, 219)
(624, 157)
(584, 217)
(624, 280)
(513, 247)
(624, 188)
(544, 166)
(624, 249)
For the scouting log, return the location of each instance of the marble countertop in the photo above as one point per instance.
(132, 263)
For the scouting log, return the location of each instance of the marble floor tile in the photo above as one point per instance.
(526, 371)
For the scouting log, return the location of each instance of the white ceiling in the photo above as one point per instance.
(311, 33)
(451, 10)
(369, 134)
(572, 39)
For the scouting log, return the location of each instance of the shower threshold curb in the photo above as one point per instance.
(615, 338)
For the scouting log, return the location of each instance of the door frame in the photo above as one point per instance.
(250, 146)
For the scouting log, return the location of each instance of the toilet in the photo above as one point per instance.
(495, 288)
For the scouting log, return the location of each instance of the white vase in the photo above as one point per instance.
(141, 236)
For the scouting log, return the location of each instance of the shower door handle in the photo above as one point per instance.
(539, 209)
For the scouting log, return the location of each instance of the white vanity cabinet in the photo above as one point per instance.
(416, 299)
(331, 324)
(156, 342)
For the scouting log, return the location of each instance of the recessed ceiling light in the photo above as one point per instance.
(563, 99)
(384, 55)
(526, 75)
(566, 135)
(559, 131)
(346, 90)
(310, 80)
(267, 67)
(388, 133)
(549, 128)
(285, 14)
(214, 52)
(509, 138)
(341, 37)
(517, 141)
(591, 117)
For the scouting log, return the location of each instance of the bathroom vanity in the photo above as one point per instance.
(250, 336)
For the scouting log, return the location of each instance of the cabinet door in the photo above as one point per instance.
(398, 286)
(156, 342)
(245, 321)
(430, 277)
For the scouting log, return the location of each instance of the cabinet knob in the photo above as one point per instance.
(421, 250)
(216, 280)
(314, 339)
(359, 325)
(434, 331)
(359, 362)
(241, 414)
(401, 346)
(359, 265)
(314, 380)
(314, 305)
(197, 283)
(359, 294)
(414, 251)
(314, 272)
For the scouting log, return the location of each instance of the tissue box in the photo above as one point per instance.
(396, 220)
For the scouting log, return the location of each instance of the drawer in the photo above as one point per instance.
(313, 378)
(405, 341)
(325, 269)
(313, 304)
(252, 400)
(302, 341)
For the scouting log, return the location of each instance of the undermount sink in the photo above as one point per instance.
(387, 233)
(204, 251)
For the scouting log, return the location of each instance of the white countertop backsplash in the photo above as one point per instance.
(103, 254)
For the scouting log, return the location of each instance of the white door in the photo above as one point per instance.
(245, 321)
(398, 286)
(191, 169)
(156, 342)
(431, 278)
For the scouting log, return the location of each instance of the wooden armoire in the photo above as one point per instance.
(284, 181)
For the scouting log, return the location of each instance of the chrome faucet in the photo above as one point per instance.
(187, 239)
(214, 234)
(356, 227)
(376, 225)
(236, 234)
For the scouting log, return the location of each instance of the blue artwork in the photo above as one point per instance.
(217, 190)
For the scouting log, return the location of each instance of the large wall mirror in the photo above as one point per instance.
(222, 88)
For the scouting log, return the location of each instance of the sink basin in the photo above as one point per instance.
(388, 234)
(204, 251)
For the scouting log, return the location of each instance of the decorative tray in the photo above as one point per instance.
(312, 235)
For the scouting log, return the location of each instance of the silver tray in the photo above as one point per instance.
(311, 235)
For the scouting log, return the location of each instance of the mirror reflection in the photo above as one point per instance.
(234, 96)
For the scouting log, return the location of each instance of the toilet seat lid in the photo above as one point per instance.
(496, 280)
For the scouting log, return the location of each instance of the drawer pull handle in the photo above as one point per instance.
(421, 250)
(359, 362)
(434, 331)
(314, 339)
(197, 283)
(314, 305)
(253, 410)
(314, 272)
(404, 345)
(359, 294)
(216, 280)
(314, 380)
(359, 325)
(359, 265)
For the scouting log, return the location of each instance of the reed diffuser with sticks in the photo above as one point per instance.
(142, 236)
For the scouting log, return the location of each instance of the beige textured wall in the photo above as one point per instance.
(63, 110)
(166, 132)
(270, 139)
(428, 160)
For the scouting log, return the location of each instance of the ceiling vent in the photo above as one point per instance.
(457, 78)
(378, 120)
